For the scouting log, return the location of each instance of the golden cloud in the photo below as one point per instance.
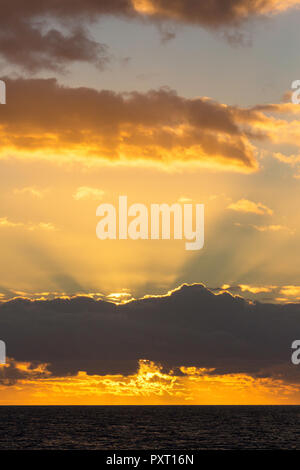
(26, 383)
(44, 119)
(7, 223)
(244, 205)
(213, 14)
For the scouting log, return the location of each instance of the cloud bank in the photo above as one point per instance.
(158, 126)
(190, 327)
(48, 35)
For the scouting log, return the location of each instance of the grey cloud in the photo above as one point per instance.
(28, 38)
(191, 327)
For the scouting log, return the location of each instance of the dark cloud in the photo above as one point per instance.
(13, 372)
(158, 125)
(37, 34)
(191, 327)
(32, 49)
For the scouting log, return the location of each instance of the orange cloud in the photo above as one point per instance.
(291, 291)
(255, 289)
(212, 14)
(272, 228)
(268, 228)
(7, 223)
(24, 383)
(44, 119)
(244, 205)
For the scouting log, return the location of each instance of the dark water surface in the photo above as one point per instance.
(150, 427)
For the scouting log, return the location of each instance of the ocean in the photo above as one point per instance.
(149, 427)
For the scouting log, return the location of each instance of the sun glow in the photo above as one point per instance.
(151, 384)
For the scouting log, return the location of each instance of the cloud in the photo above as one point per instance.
(7, 223)
(255, 289)
(119, 297)
(13, 371)
(267, 228)
(43, 118)
(48, 35)
(86, 192)
(28, 38)
(149, 384)
(46, 120)
(244, 205)
(32, 191)
(272, 228)
(213, 14)
(188, 327)
(292, 160)
(291, 291)
(281, 128)
(256, 293)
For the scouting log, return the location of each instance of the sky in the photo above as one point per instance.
(164, 102)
